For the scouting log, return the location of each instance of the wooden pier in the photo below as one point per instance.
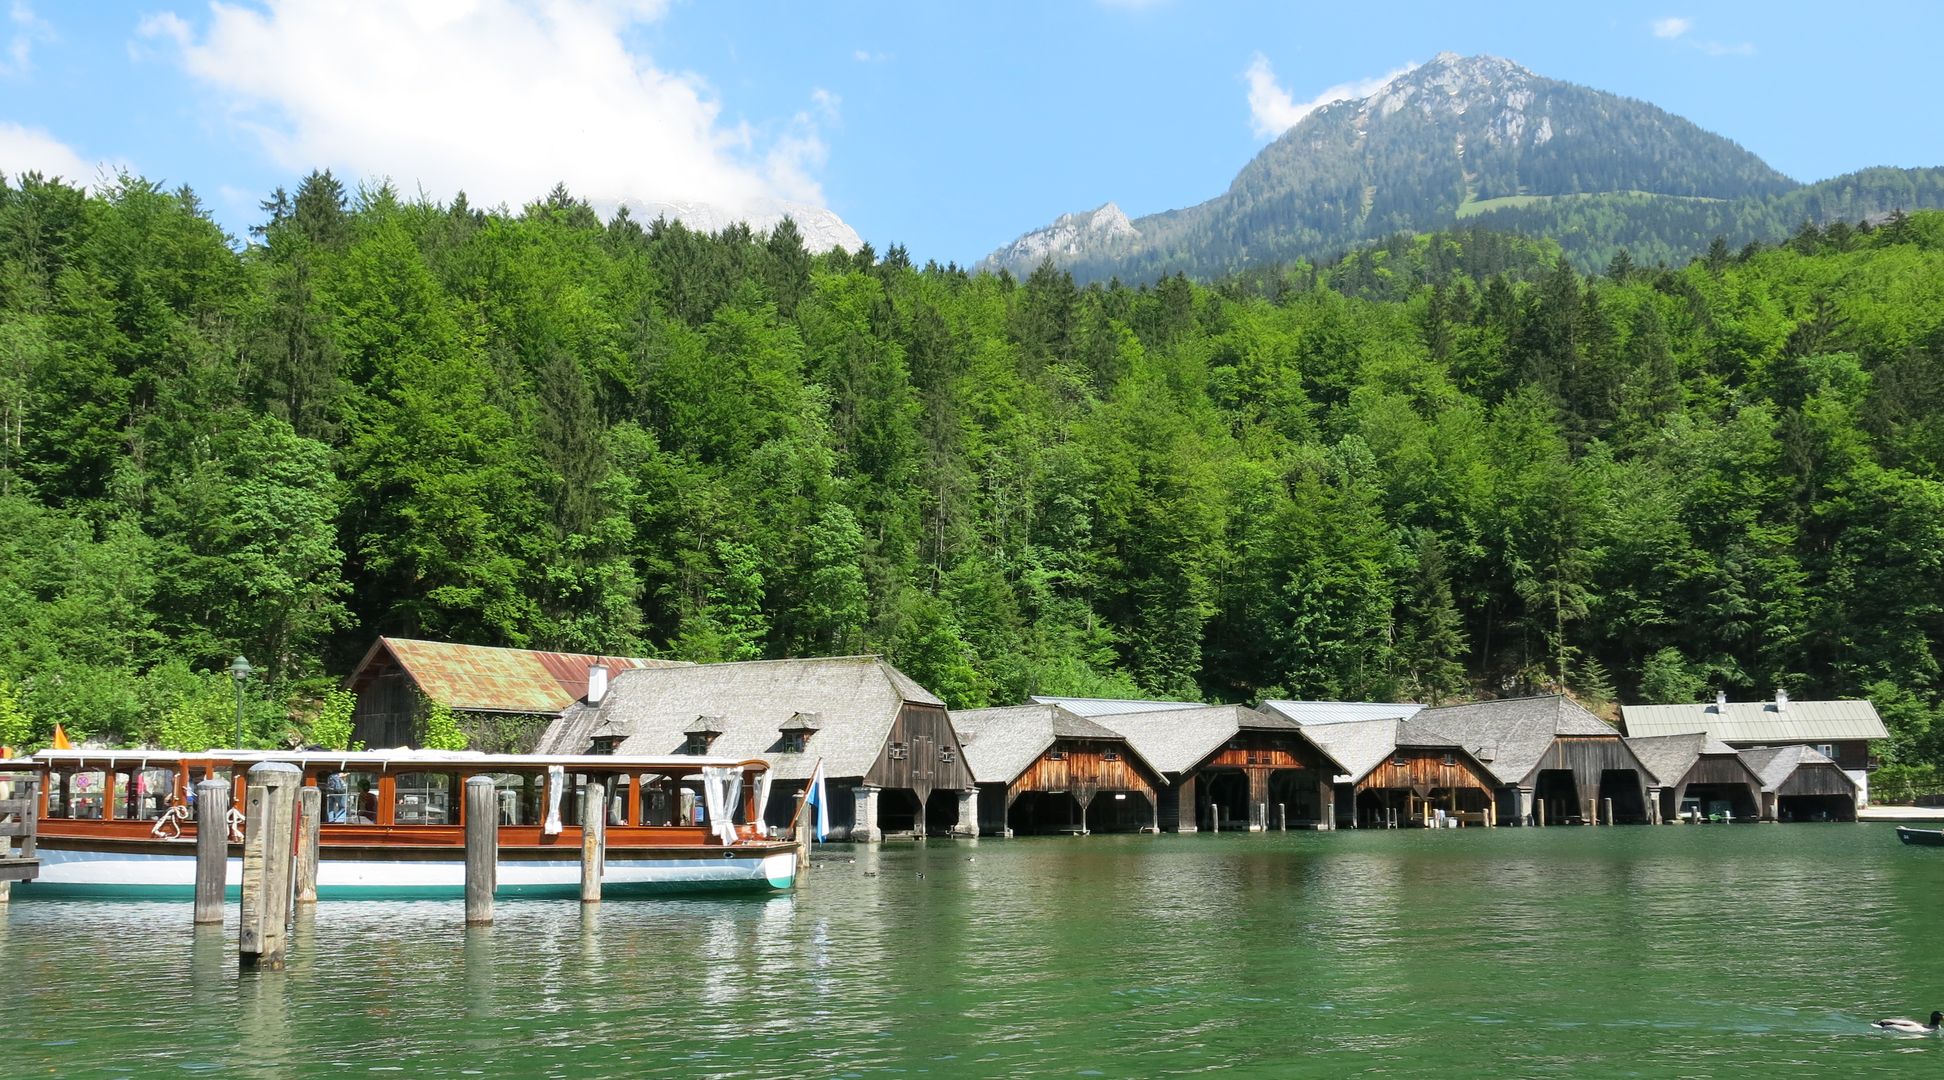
(18, 813)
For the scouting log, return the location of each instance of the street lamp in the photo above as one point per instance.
(239, 670)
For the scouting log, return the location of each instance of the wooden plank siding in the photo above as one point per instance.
(1817, 780)
(921, 754)
(1588, 758)
(1084, 768)
(1425, 770)
(1258, 755)
(387, 710)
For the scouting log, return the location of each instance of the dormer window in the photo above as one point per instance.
(701, 734)
(797, 731)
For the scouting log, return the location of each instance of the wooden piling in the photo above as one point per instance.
(1282, 817)
(593, 839)
(212, 848)
(1329, 815)
(1606, 811)
(269, 833)
(310, 807)
(1541, 808)
(482, 848)
(803, 834)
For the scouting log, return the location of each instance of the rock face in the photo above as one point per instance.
(821, 228)
(1430, 145)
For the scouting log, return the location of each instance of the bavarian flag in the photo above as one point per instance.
(815, 795)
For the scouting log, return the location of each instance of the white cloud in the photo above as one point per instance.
(1672, 27)
(25, 149)
(866, 56)
(1273, 110)
(24, 28)
(501, 98)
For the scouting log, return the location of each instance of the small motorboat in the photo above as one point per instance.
(1921, 837)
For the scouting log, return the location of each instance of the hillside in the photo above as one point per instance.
(1465, 138)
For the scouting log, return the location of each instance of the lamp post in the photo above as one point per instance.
(239, 670)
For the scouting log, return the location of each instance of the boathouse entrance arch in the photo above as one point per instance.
(1623, 787)
(1558, 792)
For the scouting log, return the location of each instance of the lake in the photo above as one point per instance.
(1677, 951)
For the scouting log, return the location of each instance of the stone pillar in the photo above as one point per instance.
(968, 822)
(865, 802)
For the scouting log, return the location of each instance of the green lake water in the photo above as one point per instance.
(1670, 952)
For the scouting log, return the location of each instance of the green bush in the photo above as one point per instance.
(1905, 783)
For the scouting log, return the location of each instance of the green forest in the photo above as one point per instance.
(1446, 467)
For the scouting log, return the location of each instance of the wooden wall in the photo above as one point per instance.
(932, 759)
(1717, 770)
(387, 712)
(1424, 770)
(1817, 780)
(1082, 767)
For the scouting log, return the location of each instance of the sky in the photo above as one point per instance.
(948, 127)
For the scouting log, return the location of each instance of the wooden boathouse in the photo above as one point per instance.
(505, 697)
(1043, 769)
(892, 762)
(1554, 762)
(1707, 771)
(1230, 766)
(1799, 783)
(1398, 771)
(1839, 730)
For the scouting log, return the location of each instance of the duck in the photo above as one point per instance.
(1912, 1027)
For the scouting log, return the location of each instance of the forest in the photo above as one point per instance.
(1449, 466)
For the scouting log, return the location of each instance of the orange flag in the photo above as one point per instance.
(61, 740)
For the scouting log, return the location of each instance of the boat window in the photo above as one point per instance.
(617, 800)
(78, 796)
(660, 804)
(424, 799)
(519, 798)
(145, 794)
(350, 798)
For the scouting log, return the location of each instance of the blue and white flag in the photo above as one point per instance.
(814, 795)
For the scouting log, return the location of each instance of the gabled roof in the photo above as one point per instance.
(856, 698)
(1760, 721)
(1087, 706)
(1000, 744)
(1307, 713)
(1774, 764)
(1671, 757)
(1176, 740)
(1359, 746)
(1510, 735)
(482, 678)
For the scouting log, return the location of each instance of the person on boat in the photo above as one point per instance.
(367, 804)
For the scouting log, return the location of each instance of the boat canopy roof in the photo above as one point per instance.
(400, 759)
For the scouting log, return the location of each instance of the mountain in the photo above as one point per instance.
(1478, 139)
(822, 229)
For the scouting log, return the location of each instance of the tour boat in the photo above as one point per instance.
(122, 823)
(1921, 837)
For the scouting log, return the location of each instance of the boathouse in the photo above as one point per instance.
(1554, 762)
(1401, 771)
(1839, 730)
(1801, 784)
(892, 763)
(1708, 772)
(1043, 769)
(504, 697)
(1230, 766)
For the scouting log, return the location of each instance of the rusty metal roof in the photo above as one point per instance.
(481, 678)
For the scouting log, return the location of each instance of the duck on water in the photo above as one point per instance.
(1911, 1026)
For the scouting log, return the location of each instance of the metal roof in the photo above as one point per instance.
(1759, 721)
(1086, 706)
(482, 678)
(1307, 713)
(856, 699)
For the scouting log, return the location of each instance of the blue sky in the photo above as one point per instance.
(950, 128)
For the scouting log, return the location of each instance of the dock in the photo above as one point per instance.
(19, 810)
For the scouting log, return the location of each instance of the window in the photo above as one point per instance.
(947, 755)
(144, 794)
(898, 751)
(661, 802)
(1450, 759)
(350, 798)
(1827, 750)
(794, 741)
(424, 799)
(698, 742)
(1400, 761)
(1110, 755)
(518, 796)
(1056, 755)
(76, 795)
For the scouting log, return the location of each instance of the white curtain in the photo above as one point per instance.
(556, 781)
(721, 791)
(762, 798)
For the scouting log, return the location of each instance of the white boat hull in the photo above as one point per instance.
(158, 875)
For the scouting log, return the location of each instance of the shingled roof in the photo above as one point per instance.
(482, 678)
(856, 699)
(1359, 746)
(1176, 740)
(1000, 744)
(1760, 721)
(1774, 764)
(1510, 735)
(1670, 757)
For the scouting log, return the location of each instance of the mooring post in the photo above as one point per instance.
(212, 848)
(803, 833)
(1282, 817)
(1606, 811)
(1329, 815)
(593, 839)
(1541, 809)
(482, 848)
(269, 832)
(310, 807)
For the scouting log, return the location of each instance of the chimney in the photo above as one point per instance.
(1781, 700)
(597, 680)
(1721, 701)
